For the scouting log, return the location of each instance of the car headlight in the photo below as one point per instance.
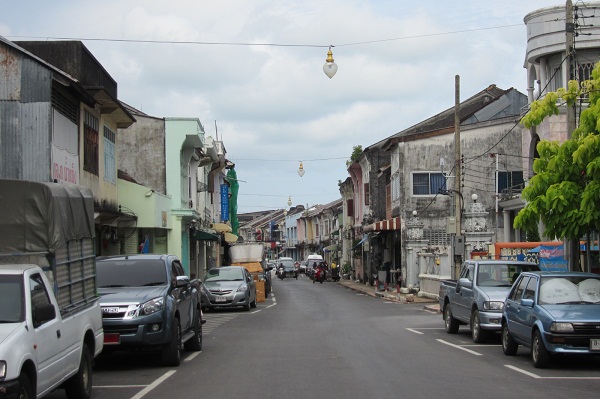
(152, 306)
(561, 327)
(2, 369)
(243, 288)
(493, 305)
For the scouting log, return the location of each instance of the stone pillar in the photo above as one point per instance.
(507, 226)
(414, 242)
(477, 236)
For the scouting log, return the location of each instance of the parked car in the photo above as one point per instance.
(552, 313)
(148, 302)
(229, 287)
(266, 277)
(477, 298)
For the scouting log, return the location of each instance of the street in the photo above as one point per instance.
(324, 340)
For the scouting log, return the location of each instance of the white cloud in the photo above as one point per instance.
(273, 104)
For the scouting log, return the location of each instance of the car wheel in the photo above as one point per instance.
(195, 343)
(25, 388)
(171, 353)
(449, 321)
(539, 353)
(509, 346)
(253, 303)
(80, 385)
(247, 304)
(478, 334)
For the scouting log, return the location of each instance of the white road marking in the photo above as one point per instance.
(415, 331)
(119, 386)
(191, 356)
(532, 375)
(459, 347)
(154, 384)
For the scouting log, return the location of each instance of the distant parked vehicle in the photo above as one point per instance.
(230, 287)
(552, 313)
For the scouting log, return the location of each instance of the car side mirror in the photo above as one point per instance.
(527, 303)
(43, 313)
(182, 281)
(464, 282)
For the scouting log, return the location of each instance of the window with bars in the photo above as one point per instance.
(509, 182)
(110, 162)
(427, 183)
(436, 237)
(90, 148)
(396, 187)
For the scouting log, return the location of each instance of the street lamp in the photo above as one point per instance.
(301, 170)
(289, 201)
(474, 197)
(330, 67)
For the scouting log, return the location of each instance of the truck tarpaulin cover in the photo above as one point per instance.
(33, 220)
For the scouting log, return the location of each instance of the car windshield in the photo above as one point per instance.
(569, 290)
(131, 273)
(501, 274)
(287, 263)
(225, 274)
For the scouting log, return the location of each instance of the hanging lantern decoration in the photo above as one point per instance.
(301, 170)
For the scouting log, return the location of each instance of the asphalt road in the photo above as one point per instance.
(326, 341)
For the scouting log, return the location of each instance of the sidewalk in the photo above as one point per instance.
(391, 295)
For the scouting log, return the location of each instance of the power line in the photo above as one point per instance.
(308, 45)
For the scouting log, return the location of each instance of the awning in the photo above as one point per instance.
(336, 233)
(203, 235)
(230, 237)
(389, 224)
(365, 238)
(331, 248)
(221, 227)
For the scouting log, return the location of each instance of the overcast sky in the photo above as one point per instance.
(252, 72)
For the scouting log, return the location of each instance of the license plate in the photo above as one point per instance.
(595, 344)
(112, 338)
(221, 299)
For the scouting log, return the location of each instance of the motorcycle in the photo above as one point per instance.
(335, 274)
(281, 273)
(320, 275)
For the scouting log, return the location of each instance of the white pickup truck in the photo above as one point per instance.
(50, 318)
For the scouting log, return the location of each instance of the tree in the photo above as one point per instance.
(565, 191)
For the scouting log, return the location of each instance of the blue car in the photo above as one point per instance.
(552, 313)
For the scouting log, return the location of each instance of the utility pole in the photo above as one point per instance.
(458, 239)
(572, 246)
(570, 48)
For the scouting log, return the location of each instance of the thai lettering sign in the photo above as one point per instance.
(224, 202)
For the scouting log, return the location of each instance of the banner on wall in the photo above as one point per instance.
(224, 202)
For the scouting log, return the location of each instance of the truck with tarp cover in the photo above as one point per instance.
(51, 320)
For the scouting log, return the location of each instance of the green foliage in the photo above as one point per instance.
(565, 192)
(356, 151)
